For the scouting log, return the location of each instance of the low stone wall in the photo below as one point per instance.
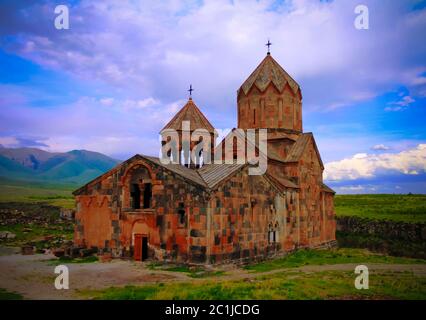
(391, 237)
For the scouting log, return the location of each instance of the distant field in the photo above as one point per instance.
(54, 194)
(407, 208)
(289, 281)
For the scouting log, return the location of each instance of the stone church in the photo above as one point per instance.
(217, 213)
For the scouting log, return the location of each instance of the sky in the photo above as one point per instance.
(112, 80)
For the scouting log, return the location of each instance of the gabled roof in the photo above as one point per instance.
(327, 189)
(191, 113)
(212, 174)
(283, 183)
(299, 147)
(209, 176)
(182, 171)
(270, 153)
(269, 71)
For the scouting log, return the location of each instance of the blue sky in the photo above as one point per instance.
(122, 70)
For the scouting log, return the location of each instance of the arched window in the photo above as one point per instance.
(181, 213)
(276, 232)
(135, 194)
(147, 195)
(270, 234)
(273, 234)
(140, 188)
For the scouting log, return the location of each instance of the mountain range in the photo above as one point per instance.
(73, 167)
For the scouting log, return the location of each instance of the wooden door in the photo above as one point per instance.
(137, 254)
(144, 248)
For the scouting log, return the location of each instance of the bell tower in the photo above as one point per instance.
(191, 127)
(270, 99)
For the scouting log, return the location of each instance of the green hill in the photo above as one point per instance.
(73, 167)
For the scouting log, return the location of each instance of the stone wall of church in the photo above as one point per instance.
(104, 218)
(316, 211)
(270, 109)
(245, 219)
(250, 220)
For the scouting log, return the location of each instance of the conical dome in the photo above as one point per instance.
(269, 71)
(270, 98)
(191, 113)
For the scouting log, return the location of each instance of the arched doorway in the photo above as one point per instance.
(140, 239)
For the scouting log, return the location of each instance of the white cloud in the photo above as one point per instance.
(157, 48)
(352, 188)
(400, 105)
(109, 126)
(380, 147)
(411, 162)
(394, 109)
(107, 101)
(9, 142)
(129, 104)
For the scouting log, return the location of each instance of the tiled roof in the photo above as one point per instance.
(181, 170)
(270, 154)
(297, 148)
(269, 71)
(212, 174)
(327, 188)
(191, 113)
(282, 183)
(296, 151)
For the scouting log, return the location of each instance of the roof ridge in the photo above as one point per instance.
(202, 115)
(287, 74)
(275, 74)
(190, 105)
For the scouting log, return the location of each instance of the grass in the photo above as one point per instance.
(406, 208)
(7, 295)
(66, 260)
(289, 284)
(332, 256)
(55, 194)
(321, 285)
(195, 272)
(36, 233)
(385, 245)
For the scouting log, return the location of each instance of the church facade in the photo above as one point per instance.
(191, 212)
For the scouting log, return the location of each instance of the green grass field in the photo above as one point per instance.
(19, 191)
(295, 286)
(287, 282)
(35, 233)
(19, 195)
(6, 295)
(407, 208)
(332, 256)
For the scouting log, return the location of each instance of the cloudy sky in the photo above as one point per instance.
(116, 76)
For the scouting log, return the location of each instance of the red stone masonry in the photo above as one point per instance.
(144, 209)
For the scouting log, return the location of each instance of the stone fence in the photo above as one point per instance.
(390, 237)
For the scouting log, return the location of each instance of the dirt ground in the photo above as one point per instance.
(33, 276)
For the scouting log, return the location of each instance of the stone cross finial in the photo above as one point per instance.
(268, 45)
